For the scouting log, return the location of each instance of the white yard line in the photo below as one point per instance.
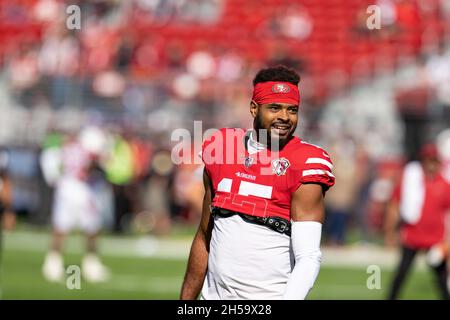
(144, 247)
(356, 256)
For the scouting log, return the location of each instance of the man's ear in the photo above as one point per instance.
(253, 109)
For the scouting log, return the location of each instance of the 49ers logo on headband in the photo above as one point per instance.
(280, 88)
(269, 92)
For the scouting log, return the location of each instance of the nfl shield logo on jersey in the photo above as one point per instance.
(248, 161)
(279, 166)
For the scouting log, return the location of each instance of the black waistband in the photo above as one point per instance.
(275, 223)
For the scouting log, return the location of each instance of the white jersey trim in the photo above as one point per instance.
(320, 161)
(314, 172)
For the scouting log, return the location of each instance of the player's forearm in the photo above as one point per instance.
(306, 247)
(196, 269)
(302, 278)
(390, 223)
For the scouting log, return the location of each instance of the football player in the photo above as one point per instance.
(75, 205)
(418, 208)
(263, 209)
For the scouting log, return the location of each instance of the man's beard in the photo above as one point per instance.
(265, 137)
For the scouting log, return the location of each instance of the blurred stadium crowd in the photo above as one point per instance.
(138, 69)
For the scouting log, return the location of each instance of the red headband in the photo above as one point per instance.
(276, 92)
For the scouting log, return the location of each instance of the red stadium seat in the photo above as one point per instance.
(245, 26)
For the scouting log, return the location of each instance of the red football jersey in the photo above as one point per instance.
(430, 228)
(261, 183)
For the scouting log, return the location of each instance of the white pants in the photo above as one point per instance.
(246, 261)
(74, 207)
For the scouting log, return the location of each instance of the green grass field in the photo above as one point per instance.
(137, 276)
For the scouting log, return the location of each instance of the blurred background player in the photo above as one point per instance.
(419, 204)
(75, 205)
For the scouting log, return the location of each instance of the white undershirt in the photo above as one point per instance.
(246, 261)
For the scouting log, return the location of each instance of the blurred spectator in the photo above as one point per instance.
(438, 68)
(413, 100)
(230, 66)
(24, 72)
(47, 10)
(291, 22)
(297, 24)
(194, 195)
(155, 216)
(119, 172)
(388, 21)
(443, 145)
(201, 64)
(58, 62)
(186, 185)
(340, 202)
(7, 217)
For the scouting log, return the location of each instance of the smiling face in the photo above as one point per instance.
(279, 119)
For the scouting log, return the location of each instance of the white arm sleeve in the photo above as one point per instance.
(305, 241)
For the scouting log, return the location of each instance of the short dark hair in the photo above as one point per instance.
(278, 73)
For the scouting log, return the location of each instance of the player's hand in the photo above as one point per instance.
(390, 240)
